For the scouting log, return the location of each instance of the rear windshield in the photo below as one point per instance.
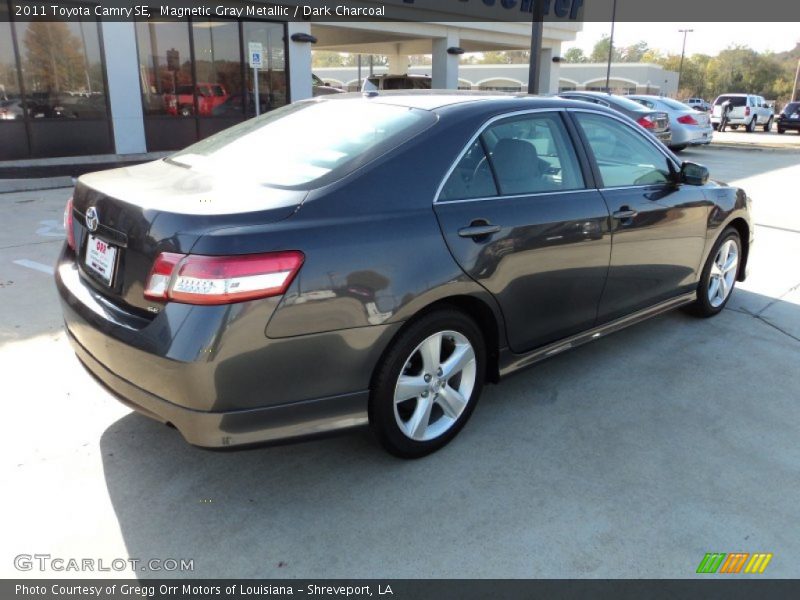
(626, 103)
(306, 142)
(673, 104)
(792, 107)
(735, 100)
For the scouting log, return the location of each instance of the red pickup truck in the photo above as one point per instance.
(209, 96)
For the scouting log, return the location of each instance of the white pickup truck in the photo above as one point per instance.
(748, 110)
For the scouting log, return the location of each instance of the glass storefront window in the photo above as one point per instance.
(9, 86)
(218, 67)
(209, 82)
(272, 76)
(165, 68)
(62, 69)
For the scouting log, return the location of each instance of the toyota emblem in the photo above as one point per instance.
(92, 220)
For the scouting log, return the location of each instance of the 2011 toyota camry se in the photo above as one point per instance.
(377, 258)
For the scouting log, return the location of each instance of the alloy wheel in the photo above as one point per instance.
(723, 273)
(435, 386)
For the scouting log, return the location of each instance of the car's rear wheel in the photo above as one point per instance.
(751, 126)
(678, 148)
(768, 125)
(428, 384)
(782, 131)
(734, 127)
(719, 275)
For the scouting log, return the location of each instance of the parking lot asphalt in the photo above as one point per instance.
(629, 457)
(757, 139)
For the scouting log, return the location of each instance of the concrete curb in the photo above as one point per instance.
(8, 186)
(755, 147)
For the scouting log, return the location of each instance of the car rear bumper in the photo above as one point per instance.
(786, 125)
(234, 428)
(665, 137)
(216, 376)
(692, 135)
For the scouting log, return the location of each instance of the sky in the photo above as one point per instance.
(707, 38)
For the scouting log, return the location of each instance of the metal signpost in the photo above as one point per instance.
(255, 54)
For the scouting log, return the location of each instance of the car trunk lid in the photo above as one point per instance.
(139, 212)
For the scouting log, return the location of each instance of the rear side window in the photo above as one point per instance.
(472, 177)
(644, 102)
(529, 154)
(623, 155)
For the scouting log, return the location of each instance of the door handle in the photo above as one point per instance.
(477, 231)
(625, 213)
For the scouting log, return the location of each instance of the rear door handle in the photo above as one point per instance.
(476, 231)
(625, 213)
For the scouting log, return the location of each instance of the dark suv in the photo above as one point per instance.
(789, 118)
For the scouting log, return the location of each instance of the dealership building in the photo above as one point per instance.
(625, 78)
(106, 87)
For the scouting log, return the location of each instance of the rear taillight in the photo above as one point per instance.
(646, 122)
(68, 224)
(687, 120)
(746, 111)
(195, 279)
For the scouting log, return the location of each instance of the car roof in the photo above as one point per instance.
(438, 100)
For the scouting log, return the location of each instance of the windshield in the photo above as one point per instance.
(305, 142)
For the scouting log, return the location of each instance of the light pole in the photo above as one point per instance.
(683, 52)
(611, 46)
(534, 64)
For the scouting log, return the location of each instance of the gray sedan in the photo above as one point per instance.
(689, 127)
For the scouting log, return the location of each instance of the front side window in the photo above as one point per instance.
(624, 156)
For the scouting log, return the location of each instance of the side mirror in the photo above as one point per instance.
(694, 174)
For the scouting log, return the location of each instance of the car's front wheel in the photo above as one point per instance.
(719, 275)
(428, 384)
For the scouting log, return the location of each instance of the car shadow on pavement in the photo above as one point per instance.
(590, 448)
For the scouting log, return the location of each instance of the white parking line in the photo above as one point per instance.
(36, 266)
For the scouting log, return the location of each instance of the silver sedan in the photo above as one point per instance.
(689, 127)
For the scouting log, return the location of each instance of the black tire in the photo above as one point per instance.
(678, 148)
(751, 126)
(382, 418)
(702, 307)
(768, 125)
(734, 127)
(782, 131)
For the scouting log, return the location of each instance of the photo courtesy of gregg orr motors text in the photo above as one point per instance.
(186, 589)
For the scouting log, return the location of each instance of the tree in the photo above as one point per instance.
(53, 59)
(634, 52)
(600, 51)
(575, 55)
(513, 57)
